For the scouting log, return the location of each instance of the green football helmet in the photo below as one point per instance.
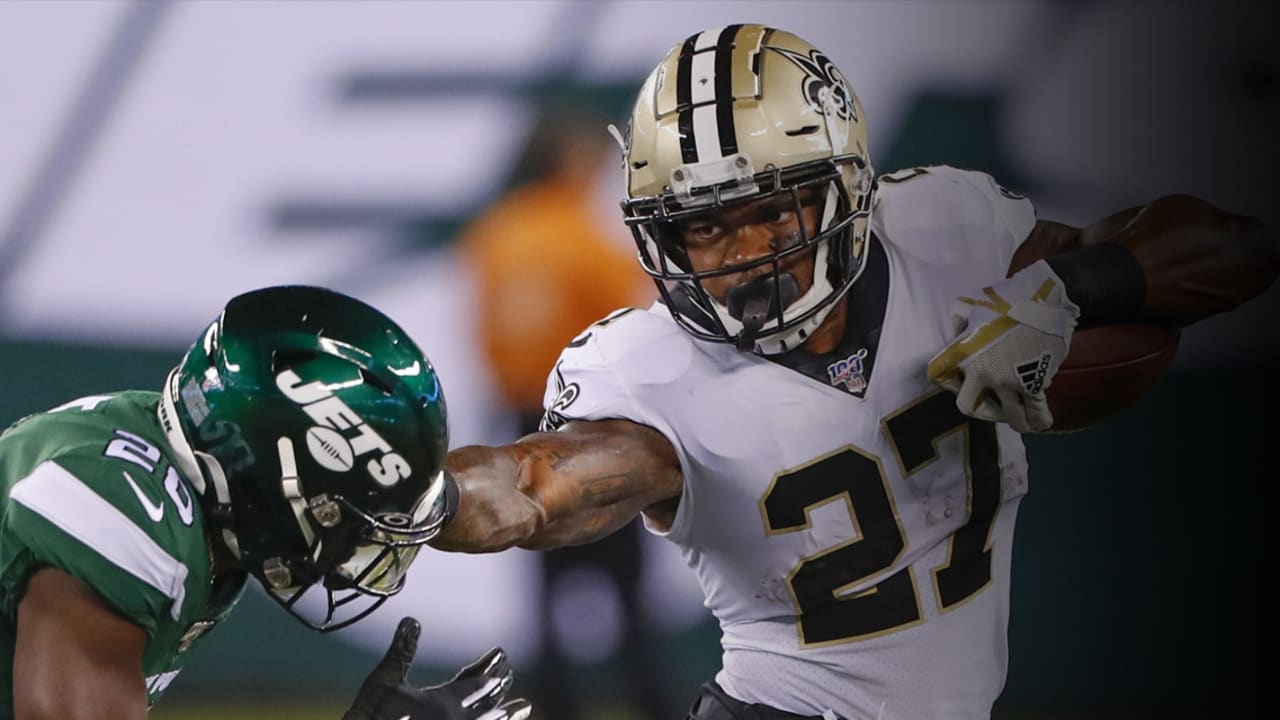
(315, 432)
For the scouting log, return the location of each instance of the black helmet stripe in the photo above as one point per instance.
(724, 91)
(706, 123)
(684, 101)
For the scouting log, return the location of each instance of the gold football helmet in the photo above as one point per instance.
(732, 115)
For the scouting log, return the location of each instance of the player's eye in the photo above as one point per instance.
(698, 235)
(779, 215)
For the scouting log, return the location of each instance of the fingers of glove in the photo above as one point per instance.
(490, 693)
(1039, 416)
(951, 382)
(514, 710)
(977, 401)
(518, 709)
(492, 662)
(970, 393)
(1013, 411)
(945, 365)
(482, 684)
(394, 666)
(988, 408)
(961, 352)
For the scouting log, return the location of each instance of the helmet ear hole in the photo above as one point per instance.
(371, 378)
(282, 360)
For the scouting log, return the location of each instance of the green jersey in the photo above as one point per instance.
(91, 488)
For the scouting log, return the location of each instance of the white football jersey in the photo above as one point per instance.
(851, 530)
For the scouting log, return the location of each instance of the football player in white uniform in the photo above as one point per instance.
(818, 411)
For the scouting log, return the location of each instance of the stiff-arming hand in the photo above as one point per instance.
(1009, 344)
(475, 693)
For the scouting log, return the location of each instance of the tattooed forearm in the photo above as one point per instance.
(605, 489)
(562, 488)
(558, 460)
(584, 527)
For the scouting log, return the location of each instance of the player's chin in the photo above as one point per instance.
(718, 291)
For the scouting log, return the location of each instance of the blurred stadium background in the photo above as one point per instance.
(160, 156)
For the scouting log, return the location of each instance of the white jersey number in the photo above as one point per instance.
(134, 449)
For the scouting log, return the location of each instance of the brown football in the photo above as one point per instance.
(1106, 370)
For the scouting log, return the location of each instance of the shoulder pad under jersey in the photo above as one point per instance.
(601, 371)
(943, 214)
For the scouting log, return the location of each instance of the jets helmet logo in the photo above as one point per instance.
(340, 435)
(822, 78)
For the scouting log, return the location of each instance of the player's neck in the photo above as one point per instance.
(828, 335)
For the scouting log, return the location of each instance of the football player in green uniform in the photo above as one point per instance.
(300, 441)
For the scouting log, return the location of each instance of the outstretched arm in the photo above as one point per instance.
(562, 488)
(1186, 260)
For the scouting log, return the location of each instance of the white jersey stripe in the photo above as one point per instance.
(61, 498)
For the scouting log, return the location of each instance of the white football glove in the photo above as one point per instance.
(1009, 344)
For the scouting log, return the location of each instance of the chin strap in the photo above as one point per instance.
(752, 321)
(756, 302)
(291, 488)
(221, 513)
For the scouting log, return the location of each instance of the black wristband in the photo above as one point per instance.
(451, 495)
(1105, 281)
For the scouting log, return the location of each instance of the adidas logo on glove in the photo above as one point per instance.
(1032, 373)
